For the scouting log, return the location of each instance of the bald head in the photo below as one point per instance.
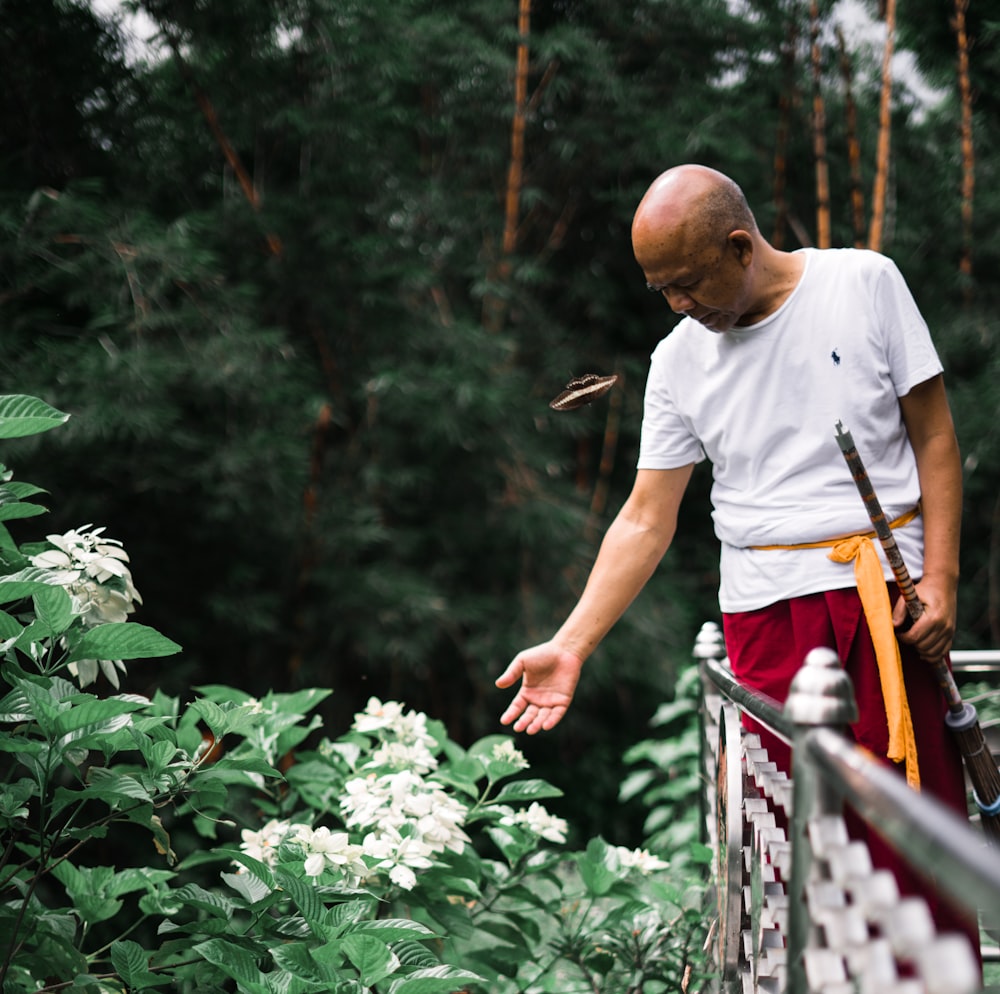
(689, 202)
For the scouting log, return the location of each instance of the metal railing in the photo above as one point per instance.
(800, 908)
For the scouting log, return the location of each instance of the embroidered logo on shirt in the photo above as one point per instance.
(835, 357)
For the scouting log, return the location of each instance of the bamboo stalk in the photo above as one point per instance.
(968, 149)
(494, 308)
(877, 226)
(786, 101)
(516, 169)
(853, 144)
(819, 133)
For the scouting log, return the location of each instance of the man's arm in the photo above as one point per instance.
(632, 547)
(932, 434)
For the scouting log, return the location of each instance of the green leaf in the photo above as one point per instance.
(13, 797)
(595, 868)
(435, 980)
(525, 790)
(373, 959)
(21, 415)
(130, 962)
(304, 896)
(19, 510)
(24, 583)
(250, 887)
(10, 627)
(113, 787)
(294, 959)
(222, 719)
(389, 929)
(257, 869)
(94, 716)
(122, 640)
(217, 905)
(53, 608)
(233, 960)
(414, 955)
(16, 707)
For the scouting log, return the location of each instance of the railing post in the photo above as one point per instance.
(709, 644)
(821, 694)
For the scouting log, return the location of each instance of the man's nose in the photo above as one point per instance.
(680, 302)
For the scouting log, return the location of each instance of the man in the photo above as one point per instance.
(774, 349)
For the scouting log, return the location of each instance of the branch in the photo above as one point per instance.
(212, 118)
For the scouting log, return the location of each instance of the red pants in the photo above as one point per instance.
(766, 648)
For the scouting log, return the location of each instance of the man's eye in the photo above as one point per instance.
(684, 287)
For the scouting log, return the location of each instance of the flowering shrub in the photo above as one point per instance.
(281, 860)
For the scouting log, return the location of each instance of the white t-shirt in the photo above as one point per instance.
(762, 404)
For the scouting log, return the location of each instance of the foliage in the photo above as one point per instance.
(667, 774)
(321, 386)
(355, 870)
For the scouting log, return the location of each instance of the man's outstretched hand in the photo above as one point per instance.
(548, 676)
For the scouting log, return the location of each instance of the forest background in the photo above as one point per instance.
(306, 274)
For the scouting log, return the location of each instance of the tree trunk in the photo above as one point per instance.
(516, 169)
(968, 150)
(853, 145)
(786, 102)
(876, 229)
(494, 305)
(819, 134)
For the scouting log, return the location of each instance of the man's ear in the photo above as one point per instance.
(741, 243)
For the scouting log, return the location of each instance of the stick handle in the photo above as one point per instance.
(879, 522)
(961, 718)
(881, 525)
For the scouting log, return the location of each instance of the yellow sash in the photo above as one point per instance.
(878, 612)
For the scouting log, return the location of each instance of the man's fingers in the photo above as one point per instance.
(513, 711)
(527, 717)
(899, 612)
(512, 674)
(553, 718)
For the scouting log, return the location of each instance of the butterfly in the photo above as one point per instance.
(583, 390)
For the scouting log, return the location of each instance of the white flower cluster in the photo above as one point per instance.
(639, 859)
(405, 820)
(410, 819)
(404, 742)
(263, 845)
(324, 849)
(537, 820)
(84, 562)
(507, 752)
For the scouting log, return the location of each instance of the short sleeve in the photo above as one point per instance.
(906, 338)
(667, 440)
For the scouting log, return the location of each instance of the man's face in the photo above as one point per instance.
(710, 284)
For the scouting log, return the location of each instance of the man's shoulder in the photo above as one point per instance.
(859, 261)
(687, 334)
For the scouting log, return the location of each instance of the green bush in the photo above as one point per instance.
(283, 860)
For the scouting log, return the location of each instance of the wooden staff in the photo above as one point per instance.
(961, 717)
